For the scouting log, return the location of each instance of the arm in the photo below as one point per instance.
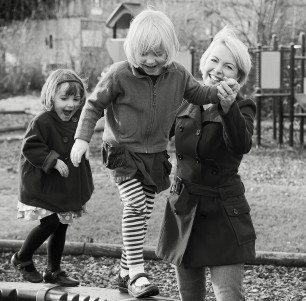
(238, 124)
(35, 149)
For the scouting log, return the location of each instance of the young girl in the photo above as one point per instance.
(51, 189)
(140, 97)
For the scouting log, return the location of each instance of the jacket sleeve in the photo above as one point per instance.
(35, 149)
(93, 109)
(198, 94)
(238, 125)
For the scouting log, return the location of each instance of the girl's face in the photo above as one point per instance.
(153, 62)
(65, 105)
(219, 64)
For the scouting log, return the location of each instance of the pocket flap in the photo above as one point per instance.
(238, 209)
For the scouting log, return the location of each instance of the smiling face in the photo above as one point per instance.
(65, 105)
(153, 62)
(219, 64)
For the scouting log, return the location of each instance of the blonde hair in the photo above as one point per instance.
(150, 30)
(228, 37)
(75, 86)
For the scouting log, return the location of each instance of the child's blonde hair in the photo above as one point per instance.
(55, 79)
(239, 50)
(150, 30)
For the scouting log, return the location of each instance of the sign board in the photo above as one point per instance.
(270, 70)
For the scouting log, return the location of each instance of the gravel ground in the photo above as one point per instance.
(267, 282)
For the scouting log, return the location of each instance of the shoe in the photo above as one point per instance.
(141, 291)
(26, 269)
(59, 277)
(123, 283)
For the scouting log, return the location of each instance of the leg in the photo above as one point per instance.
(134, 219)
(191, 283)
(56, 244)
(22, 260)
(227, 282)
(37, 236)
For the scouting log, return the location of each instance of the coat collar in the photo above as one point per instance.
(194, 111)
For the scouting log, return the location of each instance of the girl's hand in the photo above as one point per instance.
(79, 148)
(227, 92)
(62, 168)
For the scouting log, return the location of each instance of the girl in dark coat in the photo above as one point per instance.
(51, 189)
(207, 220)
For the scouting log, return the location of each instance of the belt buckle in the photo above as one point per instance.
(178, 185)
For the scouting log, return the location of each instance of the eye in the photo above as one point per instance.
(229, 67)
(214, 60)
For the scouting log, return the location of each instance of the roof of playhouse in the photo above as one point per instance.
(122, 15)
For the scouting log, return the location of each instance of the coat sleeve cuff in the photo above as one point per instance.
(50, 161)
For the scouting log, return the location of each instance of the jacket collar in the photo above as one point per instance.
(191, 111)
(136, 72)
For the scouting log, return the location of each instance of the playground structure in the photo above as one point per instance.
(280, 77)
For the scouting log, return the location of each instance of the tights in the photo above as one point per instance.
(49, 227)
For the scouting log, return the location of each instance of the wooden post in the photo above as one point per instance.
(302, 41)
(291, 97)
(258, 97)
(275, 100)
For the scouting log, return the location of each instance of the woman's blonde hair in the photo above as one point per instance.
(150, 30)
(239, 50)
(57, 77)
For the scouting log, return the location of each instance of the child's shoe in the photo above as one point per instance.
(123, 283)
(60, 277)
(142, 291)
(26, 269)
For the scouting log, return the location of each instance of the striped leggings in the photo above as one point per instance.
(138, 201)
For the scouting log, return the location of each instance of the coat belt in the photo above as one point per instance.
(202, 190)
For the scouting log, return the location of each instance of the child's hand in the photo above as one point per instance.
(79, 148)
(62, 168)
(227, 92)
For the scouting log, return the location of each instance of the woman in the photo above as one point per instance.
(207, 220)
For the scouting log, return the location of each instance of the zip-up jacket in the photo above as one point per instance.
(138, 113)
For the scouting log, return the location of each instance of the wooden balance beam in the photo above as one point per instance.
(26, 291)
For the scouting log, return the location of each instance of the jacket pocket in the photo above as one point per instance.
(113, 156)
(240, 219)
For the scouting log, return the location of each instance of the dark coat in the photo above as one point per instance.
(48, 138)
(207, 219)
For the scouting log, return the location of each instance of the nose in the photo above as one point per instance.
(150, 59)
(218, 68)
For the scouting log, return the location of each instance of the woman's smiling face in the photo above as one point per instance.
(219, 64)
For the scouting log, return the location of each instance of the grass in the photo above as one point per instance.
(275, 189)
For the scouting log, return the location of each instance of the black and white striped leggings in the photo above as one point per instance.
(138, 201)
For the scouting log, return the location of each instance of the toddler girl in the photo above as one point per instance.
(51, 189)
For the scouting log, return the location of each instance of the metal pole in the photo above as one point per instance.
(302, 41)
(275, 100)
(258, 93)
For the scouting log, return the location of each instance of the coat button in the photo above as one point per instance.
(236, 212)
(74, 119)
(180, 157)
(214, 172)
(181, 128)
(197, 160)
(175, 211)
(198, 132)
(65, 139)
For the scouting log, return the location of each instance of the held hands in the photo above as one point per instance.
(62, 168)
(227, 92)
(79, 148)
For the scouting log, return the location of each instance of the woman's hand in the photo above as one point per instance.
(62, 168)
(227, 92)
(79, 148)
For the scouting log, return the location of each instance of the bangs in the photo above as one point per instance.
(149, 40)
(74, 89)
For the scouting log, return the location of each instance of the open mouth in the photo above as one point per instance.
(215, 78)
(67, 113)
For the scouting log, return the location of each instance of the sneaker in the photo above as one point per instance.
(141, 291)
(59, 277)
(26, 269)
(123, 284)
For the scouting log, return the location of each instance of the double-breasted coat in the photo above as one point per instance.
(207, 218)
